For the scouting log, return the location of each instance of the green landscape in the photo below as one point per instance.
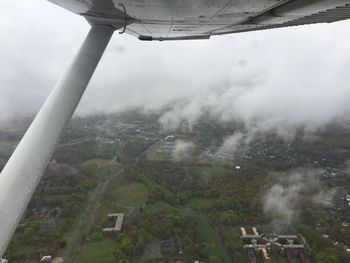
(180, 206)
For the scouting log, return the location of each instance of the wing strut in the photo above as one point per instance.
(24, 169)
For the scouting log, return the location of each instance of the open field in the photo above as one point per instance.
(131, 194)
(161, 157)
(97, 251)
(207, 233)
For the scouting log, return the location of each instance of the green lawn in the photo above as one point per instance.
(208, 234)
(130, 194)
(24, 250)
(97, 251)
(93, 164)
(161, 157)
(119, 196)
(108, 169)
(100, 167)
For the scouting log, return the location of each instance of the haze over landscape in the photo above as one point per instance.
(271, 80)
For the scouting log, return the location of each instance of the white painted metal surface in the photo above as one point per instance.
(191, 19)
(23, 171)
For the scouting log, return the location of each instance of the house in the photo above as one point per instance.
(58, 260)
(46, 259)
(118, 223)
(54, 167)
(348, 198)
(259, 245)
(168, 246)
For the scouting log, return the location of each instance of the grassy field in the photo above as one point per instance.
(97, 251)
(161, 157)
(121, 196)
(100, 168)
(131, 194)
(94, 164)
(211, 171)
(24, 251)
(209, 234)
(106, 174)
(127, 193)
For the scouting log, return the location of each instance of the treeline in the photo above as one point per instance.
(65, 189)
(86, 150)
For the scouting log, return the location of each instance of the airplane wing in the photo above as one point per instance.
(200, 19)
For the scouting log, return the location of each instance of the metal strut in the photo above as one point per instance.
(125, 19)
(23, 171)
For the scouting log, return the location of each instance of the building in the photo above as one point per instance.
(58, 260)
(3, 260)
(259, 245)
(54, 167)
(168, 246)
(46, 259)
(118, 223)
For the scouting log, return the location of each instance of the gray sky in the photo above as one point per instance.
(275, 79)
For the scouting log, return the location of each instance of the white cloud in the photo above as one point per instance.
(282, 200)
(272, 80)
(183, 150)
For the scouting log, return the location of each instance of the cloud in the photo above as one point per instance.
(273, 80)
(38, 41)
(281, 202)
(325, 198)
(231, 145)
(183, 150)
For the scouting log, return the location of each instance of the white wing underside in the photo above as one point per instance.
(191, 19)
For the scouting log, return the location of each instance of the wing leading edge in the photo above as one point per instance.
(200, 19)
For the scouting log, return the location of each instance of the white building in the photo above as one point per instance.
(118, 223)
(46, 259)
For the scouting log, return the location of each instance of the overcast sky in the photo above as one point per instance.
(273, 79)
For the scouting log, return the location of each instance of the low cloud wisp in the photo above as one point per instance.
(183, 150)
(282, 201)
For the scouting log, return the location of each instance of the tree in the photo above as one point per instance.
(119, 255)
(28, 233)
(140, 245)
(62, 244)
(214, 259)
(126, 246)
(96, 236)
(327, 257)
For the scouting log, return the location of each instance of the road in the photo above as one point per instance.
(153, 148)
